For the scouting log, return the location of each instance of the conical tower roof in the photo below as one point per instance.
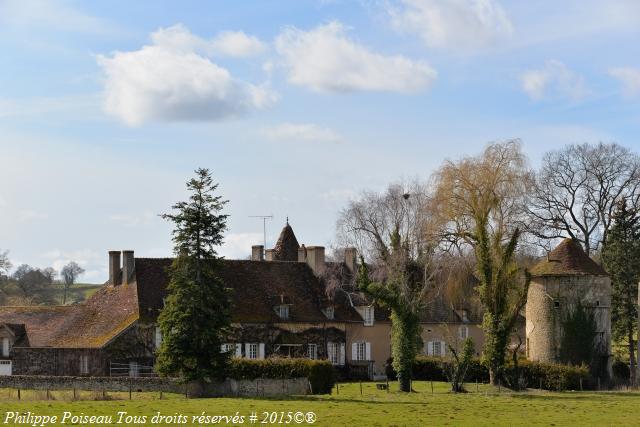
(286, 248)
(568, 259)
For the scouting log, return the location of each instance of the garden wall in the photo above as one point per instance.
(230, 387)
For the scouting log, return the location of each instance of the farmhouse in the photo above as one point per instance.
(281, 307)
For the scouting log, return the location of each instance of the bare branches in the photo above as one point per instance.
(577, 189)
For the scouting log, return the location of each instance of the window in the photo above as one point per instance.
(5, 347)
(361, 351)
(465, 316)
(252, 351)
(84, 364)
(329, 312)
(312, 351)
(556, 303)
(282, 311)
(463, 332)
(333, 353)
(227, 347)
(368, 316)
(437, 348)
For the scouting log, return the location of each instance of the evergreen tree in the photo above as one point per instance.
(621, 256)
(196, 316)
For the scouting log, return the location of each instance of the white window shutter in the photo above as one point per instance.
(238, 350)
(354, 351)
(367, 347)
(430, 348)
(261, 350)
(246, 350)
(341, 355)
(443, 347)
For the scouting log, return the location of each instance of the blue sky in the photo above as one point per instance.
(106, 108)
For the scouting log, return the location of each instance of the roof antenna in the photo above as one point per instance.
(264, 228)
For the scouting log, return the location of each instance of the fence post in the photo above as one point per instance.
(387, 384)
(47, 394)
(360, 387)
(431, 386)
(75, 397)
(540, 383)
(160, 394)
(338, 389)
(581, 384)
(18, 394)
(499, 386)
(476, 385)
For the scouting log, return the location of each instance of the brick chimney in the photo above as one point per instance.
(350, 259)
(315, 258)
(257, 253)
(128, 267)
(114, 268)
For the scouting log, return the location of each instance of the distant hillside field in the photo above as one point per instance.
(52, 294)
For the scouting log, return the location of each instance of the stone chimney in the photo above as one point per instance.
(302, 253)
(351, 259)
(114, 268)
(315, 258)
(257, 253)
(270, 254)
(128, 267)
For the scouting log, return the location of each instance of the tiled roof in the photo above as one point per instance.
(286, 248)
(92, 324)
(568, 259)
(257, 287)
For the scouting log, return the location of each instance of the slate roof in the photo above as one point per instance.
(568, 259)
(257, 287)
(286, 248)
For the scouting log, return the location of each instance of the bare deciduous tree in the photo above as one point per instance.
(577, 189)
(479, 202)
(70, 274)
(388, 229)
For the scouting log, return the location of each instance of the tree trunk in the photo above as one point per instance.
(632, 358)
(494, 378)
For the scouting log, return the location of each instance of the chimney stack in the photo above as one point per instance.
(302, 253)
(270, 254)
(315, 259)
(257, 253)
(350, 258)
(128, 267)
(114, 268)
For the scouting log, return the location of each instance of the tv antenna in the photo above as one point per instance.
(264, 226)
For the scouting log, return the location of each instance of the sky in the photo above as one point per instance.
(296, 106)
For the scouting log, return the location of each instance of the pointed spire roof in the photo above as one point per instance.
(286, 248)
(568, 259)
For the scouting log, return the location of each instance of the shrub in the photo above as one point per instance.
(319, 372)
(620, 370)
(552, 376)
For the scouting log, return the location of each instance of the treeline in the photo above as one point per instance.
(27, 285)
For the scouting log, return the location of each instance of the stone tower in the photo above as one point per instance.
(565, 278)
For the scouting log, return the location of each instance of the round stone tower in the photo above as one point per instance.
(566, 278)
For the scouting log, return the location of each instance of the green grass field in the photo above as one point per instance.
(348, 407)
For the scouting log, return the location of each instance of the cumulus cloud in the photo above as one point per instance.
(452, 24)
(554, 80)
(84, 257)
(630, 79)
(133, 220)
(326, 60)
(238, 245)
(173, 79)
(301, 132)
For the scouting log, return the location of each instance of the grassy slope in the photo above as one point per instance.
(377, 408)
(53, 294)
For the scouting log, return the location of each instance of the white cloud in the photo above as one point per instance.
(452, 24)
(133, 220)
(630, 79)
(238, 245)
(237, 43)
(31, 215)
(301, 132)
(554, 80)
(226, 43)
(56, 15)
(171, 80)
(84, 257)
(325, 60)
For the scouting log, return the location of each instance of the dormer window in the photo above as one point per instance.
(465, 316)
(329, 312)
(368, 316)
(282, 311)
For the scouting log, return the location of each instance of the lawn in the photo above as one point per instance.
(485, 407)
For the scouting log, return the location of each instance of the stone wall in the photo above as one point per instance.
(549, 302)
(230, 387)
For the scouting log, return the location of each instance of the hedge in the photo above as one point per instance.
(553, 377)
(319, 372)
